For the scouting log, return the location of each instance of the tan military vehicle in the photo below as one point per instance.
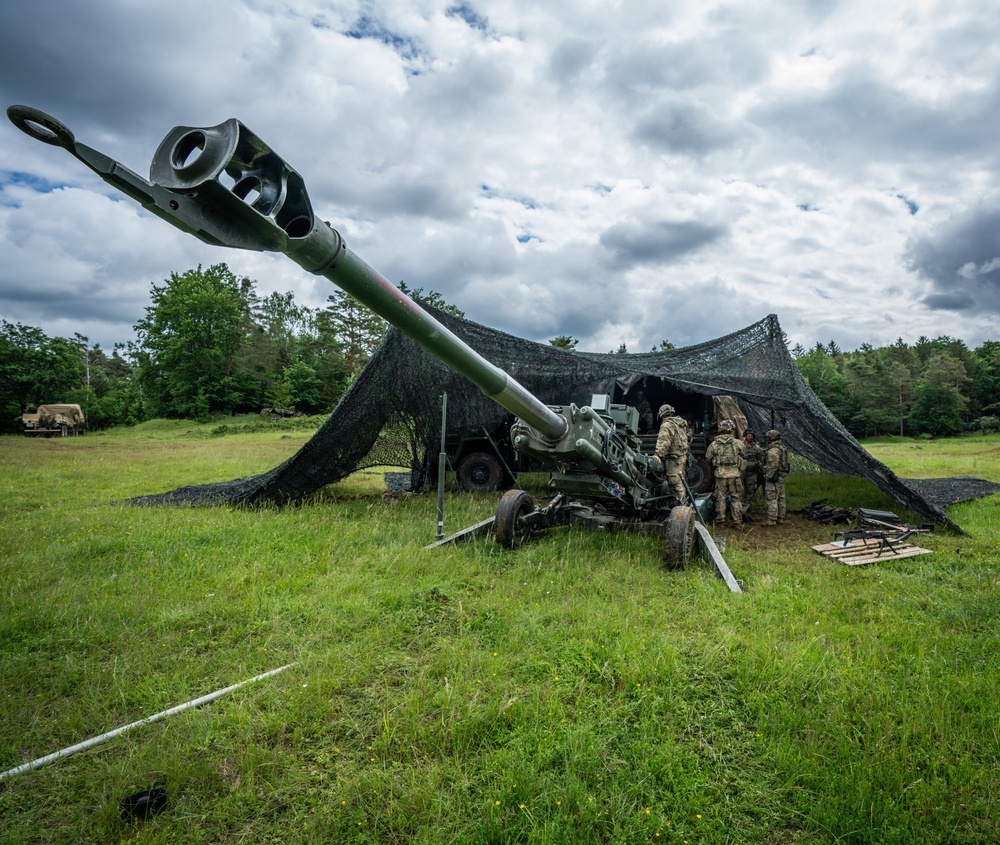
(54, 421)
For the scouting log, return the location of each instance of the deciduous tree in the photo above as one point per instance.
(189, 340)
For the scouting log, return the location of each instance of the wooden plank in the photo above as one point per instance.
(913, 551)
(867, 551)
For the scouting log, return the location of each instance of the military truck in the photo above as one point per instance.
(485, 461)
(54, 421)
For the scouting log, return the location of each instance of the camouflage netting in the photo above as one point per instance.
(391, 414)
(942, 492)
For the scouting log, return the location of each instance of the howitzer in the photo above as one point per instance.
(225, 186)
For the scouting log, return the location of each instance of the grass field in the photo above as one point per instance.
(569, 691)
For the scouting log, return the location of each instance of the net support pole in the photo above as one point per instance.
(442, 460)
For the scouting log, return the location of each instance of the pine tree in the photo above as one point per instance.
(358, 329)
(564, 341)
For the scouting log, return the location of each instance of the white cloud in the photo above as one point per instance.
(616, 172)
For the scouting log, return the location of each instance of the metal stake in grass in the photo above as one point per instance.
(97, 740)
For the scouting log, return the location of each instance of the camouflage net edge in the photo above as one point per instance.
(390, 416)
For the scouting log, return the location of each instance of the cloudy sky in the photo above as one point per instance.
(615, 171)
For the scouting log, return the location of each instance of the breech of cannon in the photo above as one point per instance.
(589, 452)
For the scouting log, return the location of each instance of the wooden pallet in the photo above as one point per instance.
(863, 552)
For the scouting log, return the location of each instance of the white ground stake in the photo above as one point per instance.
(97, 740)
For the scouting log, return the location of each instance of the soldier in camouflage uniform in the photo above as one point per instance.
(642, 405)
(753, 457)
(725, 454)
(775, 471)
(672, 449)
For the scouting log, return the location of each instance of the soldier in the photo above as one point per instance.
(672, 449)
(725, 454)
(645, 412)
(753, 456)
(775, 471)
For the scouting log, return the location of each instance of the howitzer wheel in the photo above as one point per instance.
(509, 528)
(480, 472)
(700, 478)
(678, 537)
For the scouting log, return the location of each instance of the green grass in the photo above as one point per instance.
(571, 691)
(976, 455)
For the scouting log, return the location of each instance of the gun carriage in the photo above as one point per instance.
(225, 186)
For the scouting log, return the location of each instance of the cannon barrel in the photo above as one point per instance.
(224, 185)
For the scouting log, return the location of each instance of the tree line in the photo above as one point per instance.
(936, 387)
(209, 344)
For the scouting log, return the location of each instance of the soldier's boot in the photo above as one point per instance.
(772, 522)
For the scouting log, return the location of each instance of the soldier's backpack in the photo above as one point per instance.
(726, 456)
(679, 442)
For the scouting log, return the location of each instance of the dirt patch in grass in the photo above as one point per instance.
(796, 533)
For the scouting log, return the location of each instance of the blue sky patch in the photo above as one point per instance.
(493, 193)
(470, 16)
(30, 180)
(12, 178)
(367, 27)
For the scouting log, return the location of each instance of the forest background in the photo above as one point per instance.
(210, 345)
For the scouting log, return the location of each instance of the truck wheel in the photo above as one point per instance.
(699, 476)
(509, 528)
(678, 538)
(480, 472)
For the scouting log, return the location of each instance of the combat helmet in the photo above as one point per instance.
(726, 426)
(665, 411)
(772, 435)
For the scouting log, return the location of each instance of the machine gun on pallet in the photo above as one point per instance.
(225, 186)
(882, 541)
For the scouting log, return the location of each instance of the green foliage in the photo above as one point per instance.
(989, 423)
(432, 298)
(941, 405)
(208, 344)
(189, 341)
(303, 387)
(564, 341)
(935, 387)
(260, 423)
(34, 370)
(821, 371)
(358, 329)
